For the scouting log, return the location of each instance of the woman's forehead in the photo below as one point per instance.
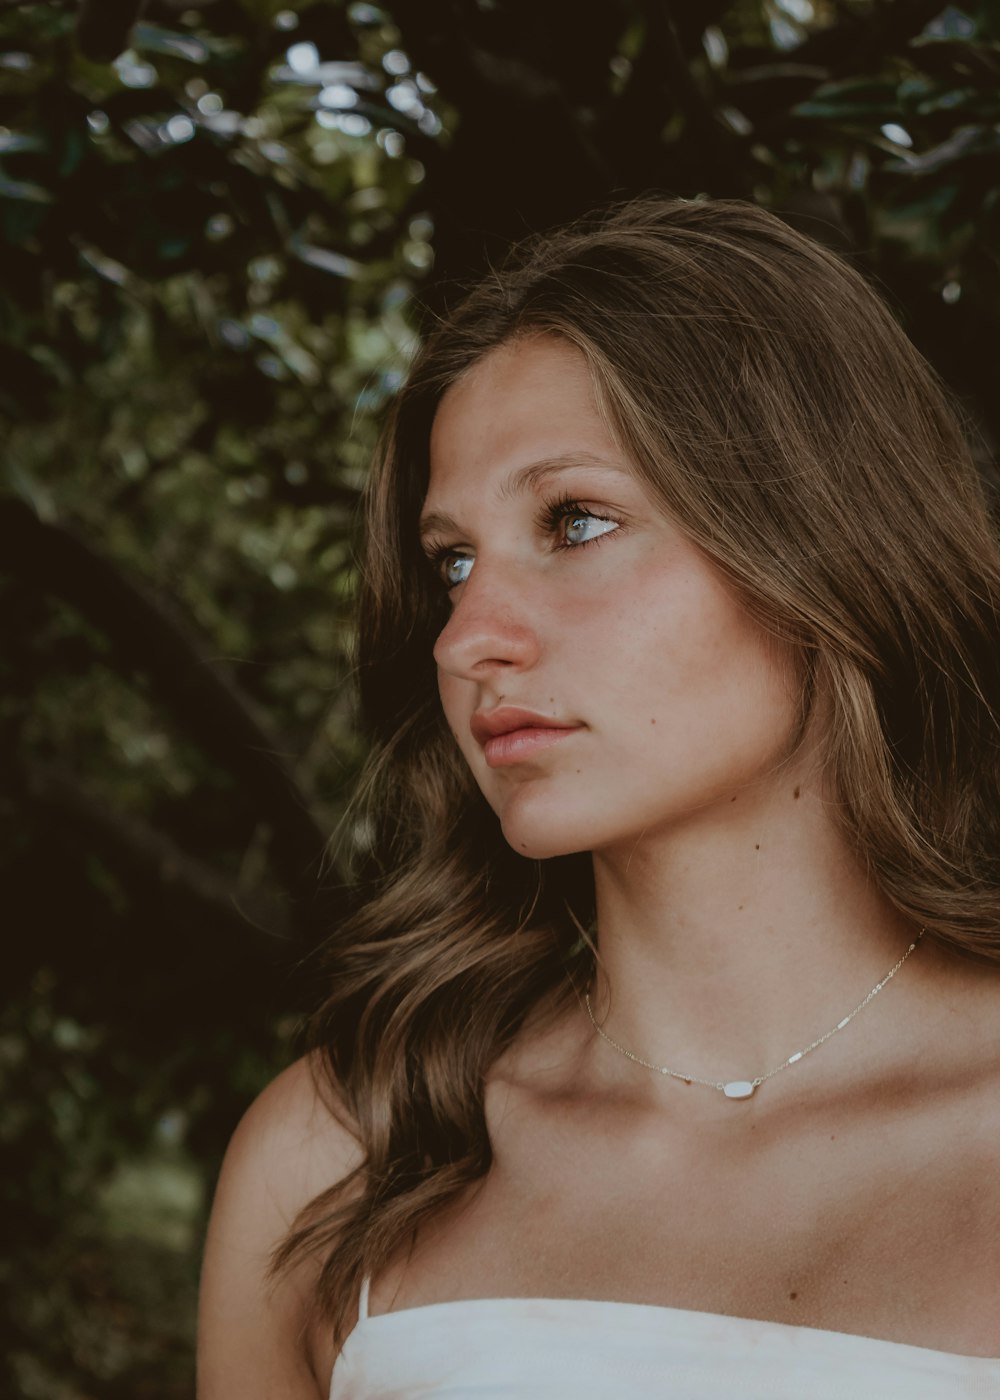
(525, 400)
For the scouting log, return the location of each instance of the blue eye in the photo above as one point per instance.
(581, 528)
(573, 525)
(567, 524)
(455, 568)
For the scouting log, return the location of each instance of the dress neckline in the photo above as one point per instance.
(660, 1314)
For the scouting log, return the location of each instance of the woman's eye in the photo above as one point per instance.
(455, 568)
(580, 528)
(565, 521)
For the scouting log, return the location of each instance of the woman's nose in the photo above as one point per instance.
(491, 628)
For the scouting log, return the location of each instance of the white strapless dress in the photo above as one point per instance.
(557, 1348)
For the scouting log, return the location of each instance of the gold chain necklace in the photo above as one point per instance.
(744, 1088)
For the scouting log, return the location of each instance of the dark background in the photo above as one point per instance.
(223, 225)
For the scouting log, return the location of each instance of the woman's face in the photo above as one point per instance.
(599, 677)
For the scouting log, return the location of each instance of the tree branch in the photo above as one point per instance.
(146, 857)
(725, 150)
(145, 636)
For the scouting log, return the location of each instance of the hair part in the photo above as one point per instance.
(769, 400)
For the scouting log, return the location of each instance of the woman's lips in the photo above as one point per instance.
(519, 745)
(510, 734)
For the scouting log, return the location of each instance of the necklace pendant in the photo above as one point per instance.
(739, 1089)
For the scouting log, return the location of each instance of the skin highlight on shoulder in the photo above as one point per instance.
(257, 1337)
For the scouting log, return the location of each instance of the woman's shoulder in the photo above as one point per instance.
(296, 1134)
(293, 1142)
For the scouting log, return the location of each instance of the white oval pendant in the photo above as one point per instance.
(738, 1089)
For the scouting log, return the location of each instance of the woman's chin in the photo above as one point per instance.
(543, 839)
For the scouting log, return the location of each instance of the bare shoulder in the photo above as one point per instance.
(293, 1142)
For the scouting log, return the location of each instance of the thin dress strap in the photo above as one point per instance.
(363, 1299)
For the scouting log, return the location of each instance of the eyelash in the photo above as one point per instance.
(553, 513)
(549, 518)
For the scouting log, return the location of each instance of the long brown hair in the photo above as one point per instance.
(766, 395)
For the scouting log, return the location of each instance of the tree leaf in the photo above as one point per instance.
(154, 39)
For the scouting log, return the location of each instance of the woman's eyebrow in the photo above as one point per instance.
(535, 473)
(526, 478)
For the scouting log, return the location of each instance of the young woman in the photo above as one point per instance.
(662, 1057)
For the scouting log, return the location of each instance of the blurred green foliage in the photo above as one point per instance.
(223, 227)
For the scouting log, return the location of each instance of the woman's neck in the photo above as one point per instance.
(734, 939)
